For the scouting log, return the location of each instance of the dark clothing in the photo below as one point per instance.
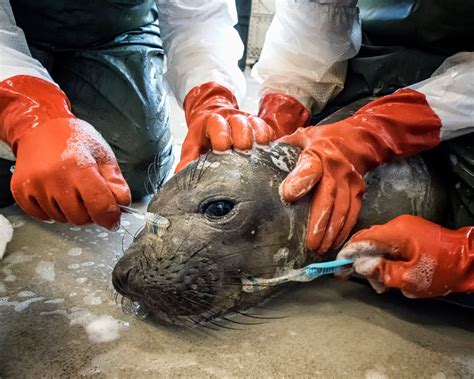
(107, 56)
(404, 42)
(73, 24)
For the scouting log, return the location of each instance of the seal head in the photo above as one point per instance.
(226, 222)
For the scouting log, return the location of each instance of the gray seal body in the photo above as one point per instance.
(227, 222)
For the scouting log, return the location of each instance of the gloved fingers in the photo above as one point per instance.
(398, 274)
(73, 207)
(116, 182)
(51, 207)
(190, 151)
(342, 203)
(263, 133)
(352, 215)
(98, 199)
(298, 138)
(241, 132)
(188, 154)
(366, 256)
(218, 132)
(322, 205)
(29, 204)
(303, 178)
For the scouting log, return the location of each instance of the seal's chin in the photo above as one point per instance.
(185, 289)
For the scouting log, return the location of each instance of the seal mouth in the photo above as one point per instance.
(185, 288)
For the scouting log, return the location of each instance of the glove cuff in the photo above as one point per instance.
(283, 113)
(208, 97)
(392, 127)
(26, 102)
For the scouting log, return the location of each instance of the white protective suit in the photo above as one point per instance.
(305, 55)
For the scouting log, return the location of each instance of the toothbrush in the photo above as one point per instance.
(155, 223)
(305, 274)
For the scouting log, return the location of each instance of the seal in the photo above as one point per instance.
(226, 221)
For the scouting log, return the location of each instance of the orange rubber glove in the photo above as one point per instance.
(215, 121)
(64, 170)
(420, 258)
(336, 157)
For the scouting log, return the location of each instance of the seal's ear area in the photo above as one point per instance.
(280, 157)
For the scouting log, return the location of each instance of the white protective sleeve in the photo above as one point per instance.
(306, 49)
(450, 93)
(15, 57)
(201, 45)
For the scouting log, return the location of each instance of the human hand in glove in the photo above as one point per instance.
(64, 169)
(420, 258)
(215, 121)
(336, 157)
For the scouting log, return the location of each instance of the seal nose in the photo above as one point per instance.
(120, 277)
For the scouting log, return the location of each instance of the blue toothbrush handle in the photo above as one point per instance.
(317, 269)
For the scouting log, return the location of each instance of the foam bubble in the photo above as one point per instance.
(74, 252)
(86, 145)
(99, 329)
(45, 270)
(421, 275)
(26, 294)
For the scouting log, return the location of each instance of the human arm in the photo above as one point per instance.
(64, 170)
(203, 49)
(405, 123)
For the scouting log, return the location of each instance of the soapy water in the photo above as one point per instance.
(421, 275)
(86, 146)
(46, 271)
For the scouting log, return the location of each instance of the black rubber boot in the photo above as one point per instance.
(6, 197)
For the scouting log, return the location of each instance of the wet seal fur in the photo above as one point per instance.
(228, 222)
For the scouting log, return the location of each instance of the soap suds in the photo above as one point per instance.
(421, 275)
(45, 270)
(74, 252)
(99, 329)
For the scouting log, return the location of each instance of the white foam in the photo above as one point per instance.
(86, 146)
(17, 257)
(45, 270)
(99, 329)
(421, 275)
(92, 300)
(55, 301)
(6, 234)
(19, 306)
(74, 252)
(26, 294)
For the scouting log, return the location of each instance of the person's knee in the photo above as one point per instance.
(147, 167)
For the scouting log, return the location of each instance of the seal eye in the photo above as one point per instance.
(217, 209)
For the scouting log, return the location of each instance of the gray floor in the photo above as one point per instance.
(59, 318)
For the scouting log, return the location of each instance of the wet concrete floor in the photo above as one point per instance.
(59, 318)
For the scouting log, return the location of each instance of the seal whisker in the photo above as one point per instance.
(259, 317)
(226, 256)
(203, 170)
